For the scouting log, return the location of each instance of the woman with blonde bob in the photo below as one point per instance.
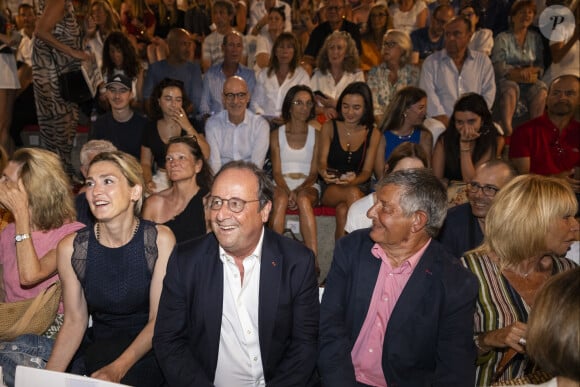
(528, 228)
(112, 270)
(554, 330)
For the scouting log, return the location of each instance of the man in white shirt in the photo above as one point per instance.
(449, 73)
(239, 306)
(236, 133)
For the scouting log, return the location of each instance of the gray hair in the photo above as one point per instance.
(422, 191)
(93, 148)
(265, 185)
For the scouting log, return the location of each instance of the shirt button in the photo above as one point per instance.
(235, 276)
(390, 274)
(370, 350)
(379, 324)
(385, 298)
(249, 332)
(255, 358)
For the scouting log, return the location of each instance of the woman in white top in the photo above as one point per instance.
(283, 72)
(409, 15)
(264, 42)
(481, 38)
(293, 150)
(338, 67)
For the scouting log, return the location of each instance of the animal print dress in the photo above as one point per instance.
(57, 118)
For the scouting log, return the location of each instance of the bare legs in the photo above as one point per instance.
(341, 197)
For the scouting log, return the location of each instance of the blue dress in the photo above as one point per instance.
(116, 284)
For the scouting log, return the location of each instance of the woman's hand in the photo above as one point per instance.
(179, 116)
(468, 133)
(509, 336)
(347, 178)
(329, 178)
(292, 205)
(13, 196)
(111, 373)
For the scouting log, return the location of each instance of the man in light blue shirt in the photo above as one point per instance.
(236, 133)
(177, 66)
(216, 75)
(449, 73)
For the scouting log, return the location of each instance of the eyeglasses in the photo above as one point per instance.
(230, 97)
(236, 205)
(488, 190)
(302, 103)
(389, 44)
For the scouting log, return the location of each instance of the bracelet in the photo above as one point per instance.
(478, 345)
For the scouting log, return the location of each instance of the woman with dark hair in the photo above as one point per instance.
(293, 151)
(378, 23)
(404, 123)
(102, 20)
(347, 151)
(518, 62)
(469, 141)
(265, 42)
(282, 73)
(113, 271)
(481, 38)
(180, 207)
(120, 57)
(338, 66)
(168, 118)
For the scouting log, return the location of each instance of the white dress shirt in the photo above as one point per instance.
(248, 141)
(444, 84)
(326, 84)
(239, 357)
(269, 95)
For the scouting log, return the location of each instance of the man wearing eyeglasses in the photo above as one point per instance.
(335, 21)
(464, 226)
(239, 306)
(236, 133)
(429, 39)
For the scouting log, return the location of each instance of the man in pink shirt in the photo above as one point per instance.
(398, 309)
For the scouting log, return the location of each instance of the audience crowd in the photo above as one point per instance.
(443, 136)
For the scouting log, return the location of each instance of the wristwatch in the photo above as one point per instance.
(21, 237)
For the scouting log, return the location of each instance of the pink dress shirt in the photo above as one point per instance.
(367, 352)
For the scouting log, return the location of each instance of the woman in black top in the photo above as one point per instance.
(180, 207)
(347, 151)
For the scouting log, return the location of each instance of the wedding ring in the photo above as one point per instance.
(522, 341)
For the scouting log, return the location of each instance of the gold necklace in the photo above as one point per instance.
(98, 230)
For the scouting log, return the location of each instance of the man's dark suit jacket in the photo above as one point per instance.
(429, 337)
(187, 331)
(461, 231)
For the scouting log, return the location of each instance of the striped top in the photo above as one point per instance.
(499, 305)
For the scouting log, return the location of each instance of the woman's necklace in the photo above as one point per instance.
(98, 229)
(406, 137)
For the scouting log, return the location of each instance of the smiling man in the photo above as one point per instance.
(239, 306)
(465, 224)
(236, 133)
(398, 309)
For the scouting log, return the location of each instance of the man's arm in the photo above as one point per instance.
(334, 359)
(427, 81)
(456, 353)
(170, 340)
(299, 361)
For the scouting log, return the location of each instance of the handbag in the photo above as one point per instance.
(32, 316)
(73, 87)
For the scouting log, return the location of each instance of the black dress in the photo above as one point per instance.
(190, 223)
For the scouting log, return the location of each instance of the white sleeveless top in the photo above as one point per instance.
(296, 162)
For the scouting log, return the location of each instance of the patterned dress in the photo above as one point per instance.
(57, 118)
(499, 305)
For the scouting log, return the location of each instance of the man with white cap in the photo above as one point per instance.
(121, 125)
